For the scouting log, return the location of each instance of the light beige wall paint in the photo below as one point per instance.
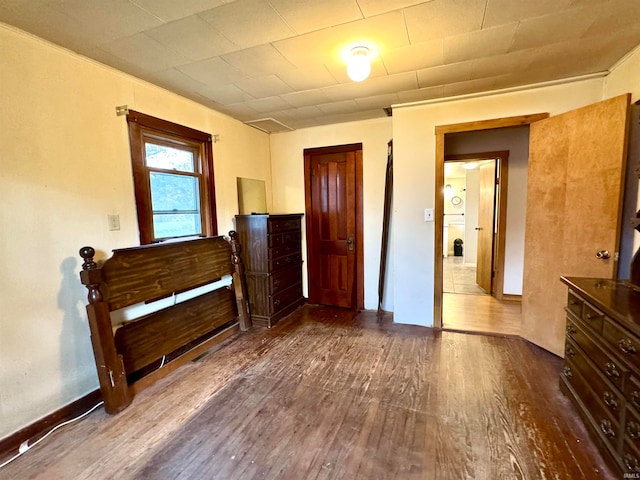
(624, 77)
(64, 166)
(287, 164)
(414, 170)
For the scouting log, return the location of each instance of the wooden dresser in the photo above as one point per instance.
(601, 372)
(272, 256)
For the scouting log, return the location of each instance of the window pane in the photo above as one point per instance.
(171, 193)
(160, 156)
(176, 225)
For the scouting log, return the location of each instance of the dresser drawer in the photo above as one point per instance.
(625, 343)
(283, 250)
(292, 238)
(610, 397)
(281, 224)
(277, 263)
(612, 368)
(632, 427)
(592, 317)
(606, 425)
(630, 458)
(632, 392)
(284, 278)
(283, 299)
(574, 304)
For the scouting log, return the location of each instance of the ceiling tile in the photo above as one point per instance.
(452, 73)
(311, 77)
(378, 101)
(345, 106)
(372, 86)
(440, 18)
(225, 94)
(169, 10)
(328, 46)
(144, 52)
(499, 12)
(626, 17)
(550, 29)
(269, 104)
(421, 95)
(414, 57)
(113, 19)
(309, 15)
(470, 86)
(214, 71)
(261, 60)
(376, 7)
(501, 64)
(303, 112)
(192, 37)
(478, 44)
(264, 86)
(248, 23)
(306, 98)
(176, 79)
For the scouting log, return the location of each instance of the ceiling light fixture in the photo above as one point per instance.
(358, 65)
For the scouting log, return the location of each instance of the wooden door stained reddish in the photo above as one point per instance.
(332, 225)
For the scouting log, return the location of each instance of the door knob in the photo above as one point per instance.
(350, 243)
(603, 254)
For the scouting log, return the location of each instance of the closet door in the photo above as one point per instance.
(575, 181)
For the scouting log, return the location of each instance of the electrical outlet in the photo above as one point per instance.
(428, 214)
(114, 222)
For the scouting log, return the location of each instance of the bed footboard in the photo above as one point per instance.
(128, 356)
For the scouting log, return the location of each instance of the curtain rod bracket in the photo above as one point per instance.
(122, 110)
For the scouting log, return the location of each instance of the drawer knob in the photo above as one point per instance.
(589, 316)
(610, 400)
(566, 371)
(626, 345)
(571, 329)
(631, 462)
(635, 398)
(276, 301)
(611, 370)
(607, 428)
(569, 351)
(633, 430)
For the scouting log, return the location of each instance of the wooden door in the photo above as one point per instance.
(333, 227)
(485, 228)
(576, 170)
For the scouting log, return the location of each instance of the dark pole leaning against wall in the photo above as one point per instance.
(388, 187)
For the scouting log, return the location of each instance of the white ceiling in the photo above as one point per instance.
(281, 59)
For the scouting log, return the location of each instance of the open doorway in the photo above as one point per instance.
(501, 299)
(474, 223)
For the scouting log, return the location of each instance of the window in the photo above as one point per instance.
(173, 179)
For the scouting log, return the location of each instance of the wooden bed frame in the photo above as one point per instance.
(128, 355)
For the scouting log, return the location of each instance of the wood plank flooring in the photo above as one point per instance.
(481, 313)
(334, 394)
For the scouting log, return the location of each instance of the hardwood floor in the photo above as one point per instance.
(481, 313)
(334, 394)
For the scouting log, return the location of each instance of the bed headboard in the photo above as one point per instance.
(128, 356)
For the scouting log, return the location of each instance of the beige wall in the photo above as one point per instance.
(287, 165)
(64, 166)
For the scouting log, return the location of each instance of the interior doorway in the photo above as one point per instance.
(474, 223)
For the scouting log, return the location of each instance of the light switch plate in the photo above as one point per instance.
(428, 214)
(114, 222)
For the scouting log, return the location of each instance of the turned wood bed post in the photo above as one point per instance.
(111, 373)
(238, 282)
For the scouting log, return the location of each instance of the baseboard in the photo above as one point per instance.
(9, 446)
(511, 298)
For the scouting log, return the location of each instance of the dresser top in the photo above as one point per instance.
(616, 298)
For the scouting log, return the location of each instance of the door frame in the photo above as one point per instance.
(440, 132)
(499, 211)
(359, 258)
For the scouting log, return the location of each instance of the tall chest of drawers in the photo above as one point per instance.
(601, 372)
(272, 256)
